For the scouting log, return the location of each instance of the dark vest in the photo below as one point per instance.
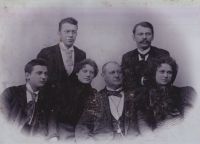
(121, 123)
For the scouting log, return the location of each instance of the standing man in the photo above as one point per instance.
(110, 115)
(134, 62)
(62, 57)
(26, 106)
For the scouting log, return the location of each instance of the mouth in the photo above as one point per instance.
(87, 79)
(144, 42)
(164, 80)
(117, 80)
(70, 40)
(42, 82)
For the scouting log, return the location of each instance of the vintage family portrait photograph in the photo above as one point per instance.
(104, 71)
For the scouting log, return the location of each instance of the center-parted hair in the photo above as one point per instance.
(29, 66)
(157, 62)
(143, 24)
(81, 64)
(69, 20)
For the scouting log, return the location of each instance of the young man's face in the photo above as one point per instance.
(68, 34)
(143, 37)
(38, 77)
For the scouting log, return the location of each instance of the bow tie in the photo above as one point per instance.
(114, 93)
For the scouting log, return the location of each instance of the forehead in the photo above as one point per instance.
(39, 68)
(140, 29)
(88, 67)
(112, 67)
(166, 67)
(68, 26)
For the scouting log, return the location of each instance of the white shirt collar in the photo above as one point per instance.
(145, 51)
(113, 90)
(62, 46)
(28, 95)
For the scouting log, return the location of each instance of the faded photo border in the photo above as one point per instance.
(105, 34)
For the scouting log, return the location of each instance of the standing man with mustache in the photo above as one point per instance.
(135, 62)
(62, 57)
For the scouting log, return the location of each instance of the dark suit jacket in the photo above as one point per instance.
(56, 68)
(131, 68)
(14, 107)
(95, 123)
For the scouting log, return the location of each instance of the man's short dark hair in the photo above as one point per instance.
(68, 20)
(81, 64)
(29, 66)
(143, 24)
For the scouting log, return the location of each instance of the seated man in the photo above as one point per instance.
(26, 106)
(110, 115)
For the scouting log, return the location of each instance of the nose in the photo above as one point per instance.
(116, 74)
(165, 75)
(144, 36)
(88, 74)
(70, 34)
(43, 76)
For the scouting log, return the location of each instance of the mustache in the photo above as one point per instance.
(144, 41)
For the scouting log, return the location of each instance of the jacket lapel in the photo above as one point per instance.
(22, 98)
(58, 58)
(106, 104)
(134, 58)
(151, 53)
(126, 110)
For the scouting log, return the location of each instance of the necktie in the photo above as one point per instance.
(30, 107)
(114, 93)
(143, 55)
(69, 61)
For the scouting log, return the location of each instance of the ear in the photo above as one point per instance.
(59, 33)
(152, 37)
(102, 75)
(27, 75)
(133, 37)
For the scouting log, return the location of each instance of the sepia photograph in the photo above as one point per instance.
(99, 71)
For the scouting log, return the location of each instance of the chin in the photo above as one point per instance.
(86, 82)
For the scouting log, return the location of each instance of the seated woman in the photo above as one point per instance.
(71, 100)
(162, 103)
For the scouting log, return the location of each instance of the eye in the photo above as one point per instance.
(120, 72)
(92, 72)
(66, 32)
(169, 72)
(162, 71)
(140, 34)
(39, 73)
(46, 74)
(74, 32)
(148, 34)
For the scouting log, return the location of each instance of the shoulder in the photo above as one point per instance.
(159, 50)
(102, 91)
(188, 93)
(79, 51)
(48, 49)
(11, 91)
(141, 94)
(130, 53)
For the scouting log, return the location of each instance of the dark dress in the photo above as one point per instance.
(71, 102)
(162, 104)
